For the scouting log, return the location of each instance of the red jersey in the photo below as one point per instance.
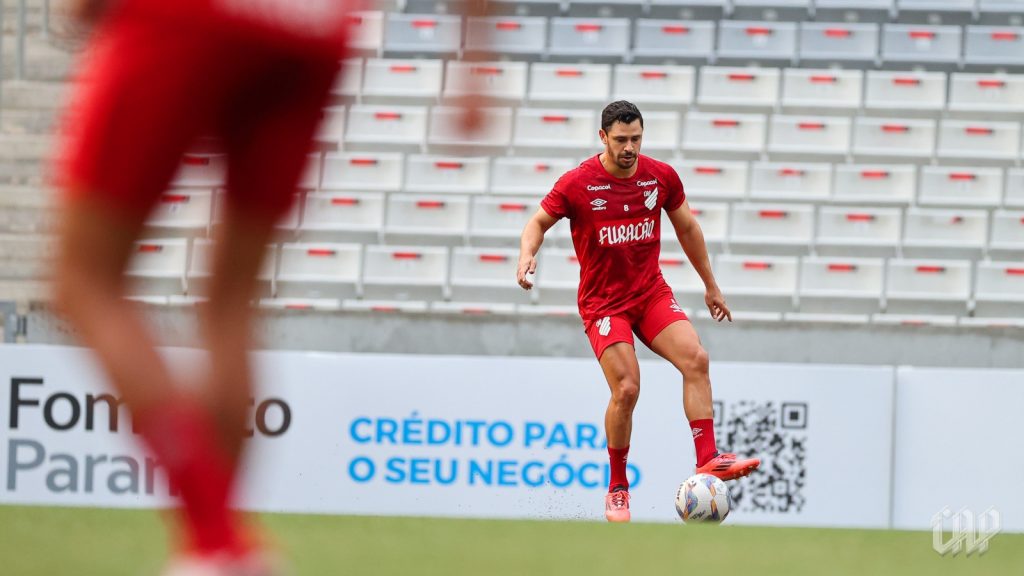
(616, 230)
(316, 25)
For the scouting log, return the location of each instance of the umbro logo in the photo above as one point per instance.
(604, 326)
(599, 204)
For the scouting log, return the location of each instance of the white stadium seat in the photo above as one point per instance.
(713, 218)
(674, 40)
(563, 130)
(398, 80)
(841, 285)
(591, 38)
(331, 133)
(757, 40)
(558, 276)
(800, 182)
(961, 186)
(1014, 188)
(905, 93)
(528, 176)
(486, 275)
(319, 270)
(854, 10)
(1000, 289)
(445, 135)
(809, 137)
(822, 90)
(753, 89)
(366, 32)
(879, 184)
(507, 36)
(994, 45)
(714, 179)
(979, 141)
(889, 139)
(654, 86)
(569, 84)
(661, 134)
(686, 284)
(1007, 234)
(844, 43)
(502, 82)
(405, 273)
(772, 228)
(986, 95)
(157, 267)
(349, 82)
(201, 171)
(422, 34)
(858, 231)
(343, 217)
(928, 286)
(363, 171)
(934, 233)
(724, 134)
(387, 127)
(386, 306)
(310, 178)
(181, 212)
(446, 174)
(904, 44)
(427, 220)
(758, 283)
(499, 221)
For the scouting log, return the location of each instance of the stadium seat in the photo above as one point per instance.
(157, 266)
(403, 273)
(349, 82)
(1000, 289)
(961, 186)
(569, 84)
(366, 32)
(841, 285)
(822, 90)
(686, 284)
(387, 127)
(402, 80)
(771, 228)
(330, 135)
(1000, 11)
(991, 323)
(342, 217)
(939, 233)
(363, 171)
(426, 220)
(845, 44)
(1007, 235)
(854, 10)
(801, 182)
(386, 306)
(523, 8)
(688, 10)
(928, 286)
(499, 221)
(878, 184)
(1014, 188)
(936, 11)
(727, 88)
(308, 304)
(809, 137)
(528, 176)
(921, 45)
(182, 212)
(201, 171)
(713, 179)
(713, 218)
(882, 139)
(419, 34)
(607, 8)
(319, 271)
(446, 174)
(560, 235)
(994, 46)
(558, 277)
(771, 9)
(593, 39)
(724, 135)
(565, 131)
(979, 141)
(310, 178)
(858, 231)
(200, 266)
(905, 94)
(654, 86)
(506, 37)
(658, 41)
(486, 275)
(760, 41)
(986, 95)
(444, 134)
(501, 82)
(758, 283)
(661, 134)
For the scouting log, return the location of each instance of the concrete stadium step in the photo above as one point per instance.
(40, 122)
(26, 210)
(34, 95)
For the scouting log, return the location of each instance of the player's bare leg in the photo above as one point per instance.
(622, 371)
(94, 247)
(679, 344)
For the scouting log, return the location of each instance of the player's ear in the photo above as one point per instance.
(603, 135)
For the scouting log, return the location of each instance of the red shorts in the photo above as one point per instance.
(154, 88)
(647, 318)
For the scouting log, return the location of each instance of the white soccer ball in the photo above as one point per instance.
(703, 498)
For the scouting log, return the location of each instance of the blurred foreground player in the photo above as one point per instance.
(162, 73)
(613, 202)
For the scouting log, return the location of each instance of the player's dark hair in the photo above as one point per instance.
(620, 111)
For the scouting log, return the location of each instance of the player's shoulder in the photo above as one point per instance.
(574, 176)
(657, 166)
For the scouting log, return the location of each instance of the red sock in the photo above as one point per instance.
(182, 438)
(703, 439)
(617, 459)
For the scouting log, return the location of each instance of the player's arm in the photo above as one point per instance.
(691, 237)
(529, 245)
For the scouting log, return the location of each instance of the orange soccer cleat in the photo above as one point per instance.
(616, 506)
(728, 467)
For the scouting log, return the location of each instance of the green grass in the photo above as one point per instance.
(86, 541)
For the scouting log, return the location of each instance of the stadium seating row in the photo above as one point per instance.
(647, 39)
(679, 87)
(816, 284)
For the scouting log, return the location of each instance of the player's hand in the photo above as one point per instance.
(527, 265)
(716, 304)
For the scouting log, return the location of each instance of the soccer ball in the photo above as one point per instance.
(703, 498)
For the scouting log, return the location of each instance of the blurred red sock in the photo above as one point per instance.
(703, 439)
(617, 459)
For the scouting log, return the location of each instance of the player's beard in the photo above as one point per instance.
(626, 161)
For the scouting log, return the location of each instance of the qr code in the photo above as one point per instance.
(775, 432)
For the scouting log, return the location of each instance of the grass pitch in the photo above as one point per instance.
(86, 541)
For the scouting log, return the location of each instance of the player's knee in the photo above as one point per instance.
(627, 390)
(697, 362)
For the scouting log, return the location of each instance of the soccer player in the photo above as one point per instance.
(613, 202)
(161, 74)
